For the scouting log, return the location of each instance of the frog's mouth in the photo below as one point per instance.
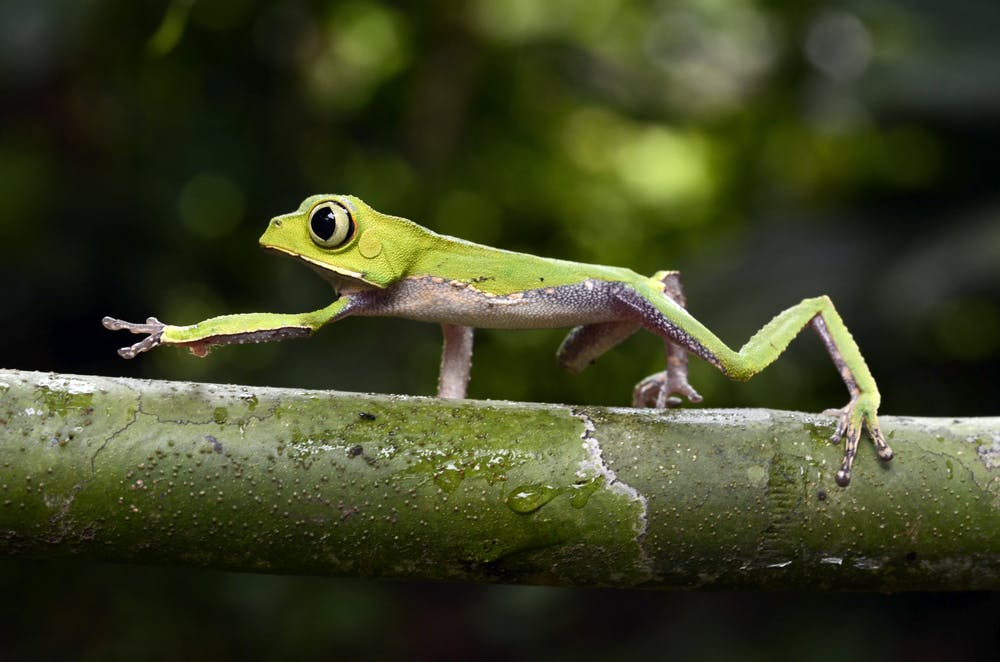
(339, 278)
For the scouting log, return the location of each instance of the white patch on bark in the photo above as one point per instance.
(68, 384)
(594, 465)
(990, 453)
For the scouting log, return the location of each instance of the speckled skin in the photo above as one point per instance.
(590, 302)
(433, 299)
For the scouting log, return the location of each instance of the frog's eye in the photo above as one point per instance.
(330, 224)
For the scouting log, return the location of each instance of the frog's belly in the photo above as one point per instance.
(430, 299)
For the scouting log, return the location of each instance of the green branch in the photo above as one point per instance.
(289, 481)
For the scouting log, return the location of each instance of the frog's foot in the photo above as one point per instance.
(660, 390)
(857, 414)
(153, 327)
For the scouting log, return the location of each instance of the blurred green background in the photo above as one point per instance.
(771, 151)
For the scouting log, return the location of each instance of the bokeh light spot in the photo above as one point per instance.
(839, 45)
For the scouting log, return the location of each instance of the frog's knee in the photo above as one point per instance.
(664, 276)
(668, 282)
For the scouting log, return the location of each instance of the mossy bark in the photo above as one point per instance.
(290, 481)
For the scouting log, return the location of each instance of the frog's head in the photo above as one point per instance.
(346, 241)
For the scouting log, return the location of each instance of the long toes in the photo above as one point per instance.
(852, 420)
(850, 451)
(842, 425)
(881, 445)
(144, 345)
(663, 401)
(843, 477)
(643, 400)
(115, 324)
(151, 325)
(660, 392)
(647, 392)
(688, 392)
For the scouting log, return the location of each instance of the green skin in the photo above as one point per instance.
(382, 265)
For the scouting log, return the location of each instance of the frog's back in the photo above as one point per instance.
(503, 272)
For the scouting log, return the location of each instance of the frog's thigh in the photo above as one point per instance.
(678, 326)
(586, 343)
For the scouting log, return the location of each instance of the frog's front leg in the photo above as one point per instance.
(229, 329)
(456, 361)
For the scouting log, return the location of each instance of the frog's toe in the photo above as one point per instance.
(881, 445)
(851, 418)
(849, 431)
(152, 327)
(659, 392)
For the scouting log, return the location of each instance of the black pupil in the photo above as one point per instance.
(324, 223)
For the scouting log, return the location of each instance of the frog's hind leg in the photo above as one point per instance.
(660, 389)
(670, 321)
(586, 343)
